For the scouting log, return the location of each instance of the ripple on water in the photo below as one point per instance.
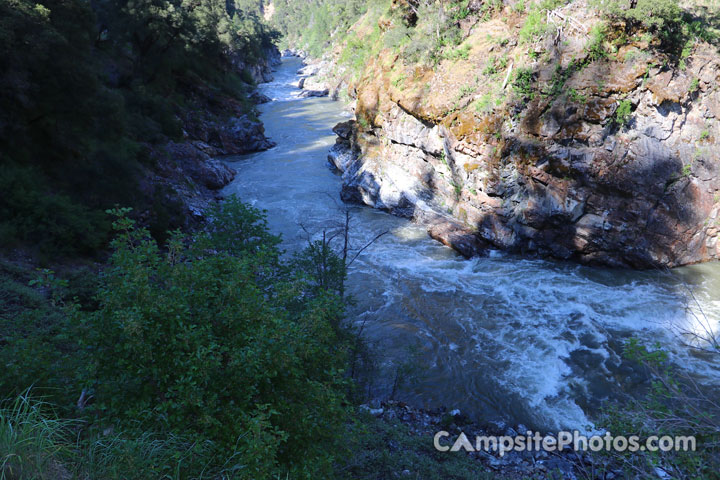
(531, 341)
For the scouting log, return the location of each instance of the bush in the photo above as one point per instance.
(524, 78)
(676, 406)
(31, 214)
(596, 45)
(623, 112)
(662, 16)
(219, 340)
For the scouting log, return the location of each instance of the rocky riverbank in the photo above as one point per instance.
(554, 149)
(187, 173)
(542, 464)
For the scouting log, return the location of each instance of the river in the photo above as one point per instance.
(528, 341)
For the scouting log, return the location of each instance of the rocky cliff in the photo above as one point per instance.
(187, 173)
(597, 150)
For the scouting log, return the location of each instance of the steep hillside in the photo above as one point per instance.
(559, 128)
(107, 103)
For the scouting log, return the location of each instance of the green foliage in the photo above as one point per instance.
(694, 85)
(574, 96)
(484, 104)
(142, 455)
(687, 169)
(495, 65)
(662, 17)
(623, 113)
(457, 188)
(534, 26)
(310, 24)
(408, 451)
(465, 91)
(218, 339)
(674, 405)
(660, 14)
(215, 338)
(34, 443)
(436, 34)
(462, 11)
(523, 83)
(88, 88)
(595, 47)
(54, 223)
(359, 49)
(36, 337)
(457, 53)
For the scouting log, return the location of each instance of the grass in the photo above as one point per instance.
(32, 443)
(595, 47)
(35, 444)
(694, 85)
(457, 53)
(484, 104)
(534, 26)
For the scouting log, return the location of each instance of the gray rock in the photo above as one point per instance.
(314, 93)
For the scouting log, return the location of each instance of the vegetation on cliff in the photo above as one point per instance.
(90, 90)
(541, 107)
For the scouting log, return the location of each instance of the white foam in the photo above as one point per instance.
(512, 321)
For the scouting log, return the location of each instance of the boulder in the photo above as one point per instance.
(314, 93)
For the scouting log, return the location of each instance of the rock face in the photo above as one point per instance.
(185, 173)
(261, 72)
(560, 172)
(320, 78)
(235, 136)
(190, 159)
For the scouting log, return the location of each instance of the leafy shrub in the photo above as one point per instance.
(623, 112)
(523, 83)
(218, 339)
(86, 83)
(595, 47)
(675, 406)
(54, 223)
(661, 16)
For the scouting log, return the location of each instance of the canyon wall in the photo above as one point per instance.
(543, 148)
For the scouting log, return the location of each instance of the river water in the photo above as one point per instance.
(528, 341)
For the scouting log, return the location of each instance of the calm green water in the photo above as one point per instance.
(529, 341)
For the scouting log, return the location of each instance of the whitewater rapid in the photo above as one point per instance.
(528, 341)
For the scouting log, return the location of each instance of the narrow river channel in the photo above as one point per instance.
(528, 341)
